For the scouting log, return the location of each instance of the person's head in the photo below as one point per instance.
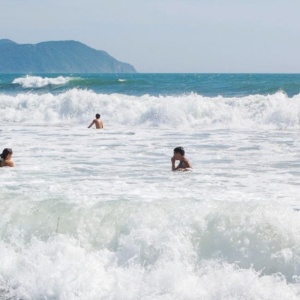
(6, 153)
(179, 152)
(97, 116)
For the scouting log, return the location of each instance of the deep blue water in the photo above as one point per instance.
(211, 85)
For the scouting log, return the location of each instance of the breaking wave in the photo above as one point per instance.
(39, 82)
(190, 110)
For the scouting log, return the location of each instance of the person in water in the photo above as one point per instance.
(98, 122)
(184, 164)
(5, 158)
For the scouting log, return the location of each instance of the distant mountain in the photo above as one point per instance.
(57, 57)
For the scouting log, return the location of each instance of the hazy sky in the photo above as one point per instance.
(168, 35)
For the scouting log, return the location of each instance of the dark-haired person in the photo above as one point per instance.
(98, 122)
(184, 164)
(5, 158)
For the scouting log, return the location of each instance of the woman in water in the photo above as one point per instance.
(5, 158)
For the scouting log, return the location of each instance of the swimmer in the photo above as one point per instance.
(184, 164)
(98, 122)
(5, 158)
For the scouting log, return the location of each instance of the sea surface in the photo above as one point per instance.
(98, 214)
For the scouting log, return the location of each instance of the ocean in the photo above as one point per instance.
(98, 214)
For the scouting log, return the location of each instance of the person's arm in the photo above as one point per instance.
(173, 164)
(92, 124)
(184, 165)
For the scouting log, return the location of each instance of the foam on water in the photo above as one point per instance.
(38, 82)
(97, 214)
(190, 111)
(92, 214)
(161, 250)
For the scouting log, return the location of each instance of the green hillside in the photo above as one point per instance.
(57, 57)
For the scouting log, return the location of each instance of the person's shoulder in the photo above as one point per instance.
(9, 164)
(187, 163)
(184, 159)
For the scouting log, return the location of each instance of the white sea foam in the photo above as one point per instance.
(161, 250)
(97, 214)
(189, 111)
(38, 82)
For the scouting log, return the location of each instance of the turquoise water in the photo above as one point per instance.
(211, 85)
(98, 214)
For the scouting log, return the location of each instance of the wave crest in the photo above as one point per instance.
(39, 82)
(190, 111)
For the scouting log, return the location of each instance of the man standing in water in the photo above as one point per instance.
(98, 122)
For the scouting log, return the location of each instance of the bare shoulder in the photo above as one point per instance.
(187, 163)
(9, 164)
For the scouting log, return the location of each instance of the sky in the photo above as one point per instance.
(168, 36)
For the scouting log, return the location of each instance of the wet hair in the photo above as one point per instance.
(5, 152)
(98, 116)
(179, 150)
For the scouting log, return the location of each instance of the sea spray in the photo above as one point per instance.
(38, 82)
(190, 111)
(98, 214)
(176, 249)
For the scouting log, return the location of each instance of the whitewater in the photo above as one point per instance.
(98, 214)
